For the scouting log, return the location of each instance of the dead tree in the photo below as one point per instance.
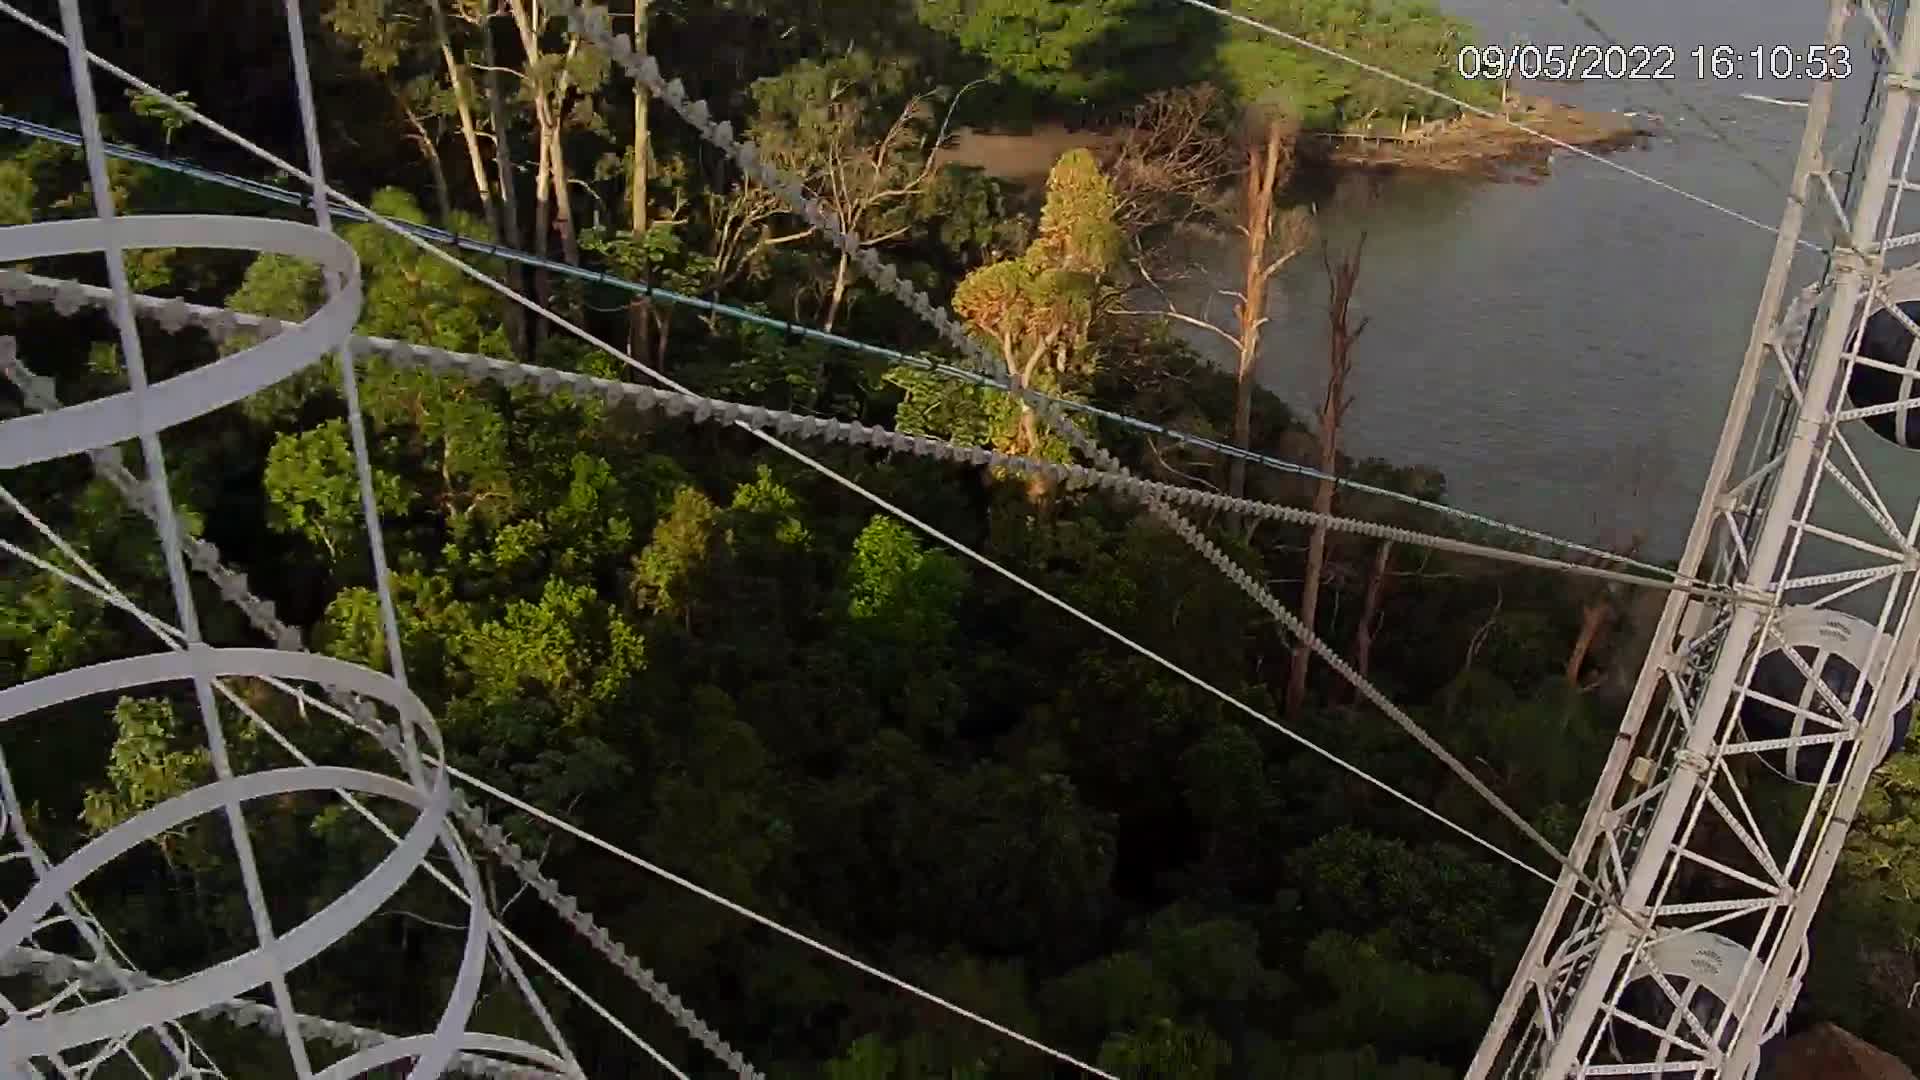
(517, 323)
(1598, 613)
(865, 183)
(547, 80)
(639, 311)
(501, 213)
(1368, 628)
(461, 83)
(1271, 240)
(1638, 474)
(1342, 332)
(1173, 160)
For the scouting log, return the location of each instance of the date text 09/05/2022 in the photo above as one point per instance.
(1717, 62)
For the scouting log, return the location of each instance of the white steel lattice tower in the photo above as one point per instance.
(94, 1011)
(1758, 719)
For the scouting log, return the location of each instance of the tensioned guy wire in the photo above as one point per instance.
(1712, 126)
(594, 27)
(175, 314)
(943, 370)
(39, 394)
(241, 1010)
(699, 409)
(594, 24)
(351, 1037)
(234, 587)
(224, 323)
(349, 384)
(81, 75)
(96, 584)
(1401, 80)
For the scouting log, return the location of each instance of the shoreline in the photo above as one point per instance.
(1465, 145)
(1473, 144)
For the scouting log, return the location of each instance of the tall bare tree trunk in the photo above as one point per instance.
(1263, 173)
(639, 311)
(1370, 609)
(509, 191)
(469, 131)
(436, 170)
(1023, 376)
(1310, 589)
(840, 274)
(542, 236)
(1342, 332)
(1594, 618)
(1597, 616)
(563, 200)
(530, 19)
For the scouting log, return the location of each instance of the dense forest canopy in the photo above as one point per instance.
(748, 675)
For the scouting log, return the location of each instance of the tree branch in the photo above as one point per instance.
(423, 919)
(1181, 317)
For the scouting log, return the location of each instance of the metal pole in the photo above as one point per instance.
(1851, 271)
(1533, 962)
(1746, 1047)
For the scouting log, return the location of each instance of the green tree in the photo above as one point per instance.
(1379, 999)
(848, 128)
(17, 194)
(1120, 992)
(1439, 903)
(665, 569)
(1411, 38)
(1037, 310)
(1090, 52)
(734, 666)
(314, 489)
(869, 1058)
(1164, 1048)
(899, 588)
(146, 767)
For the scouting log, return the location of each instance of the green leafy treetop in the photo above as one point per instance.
(1411, 38)
(1036, 310)
(1108, 51)
(1077, 51)
(146, 767)
(1078, 232)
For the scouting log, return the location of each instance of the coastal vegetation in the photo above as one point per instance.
(744, 673)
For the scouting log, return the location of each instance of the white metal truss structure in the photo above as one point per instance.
(1760, 714)
(89, 1008)
(1672, 944)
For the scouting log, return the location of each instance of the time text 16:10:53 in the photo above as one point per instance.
(1574, 63)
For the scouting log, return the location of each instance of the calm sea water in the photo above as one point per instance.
(1564, 352)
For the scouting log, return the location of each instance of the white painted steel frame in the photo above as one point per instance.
(74, 1018)
(1669, 796)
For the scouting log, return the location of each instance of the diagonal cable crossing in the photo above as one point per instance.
(1403, 81)
(224, 324)
(260, 613)
(841, 341)
(593, 25)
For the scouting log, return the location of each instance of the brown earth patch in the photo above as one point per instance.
(1021, 159)
(1466, 144)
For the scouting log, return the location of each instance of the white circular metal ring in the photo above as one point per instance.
(493, 1045)
(120, 417)
(227, 980)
